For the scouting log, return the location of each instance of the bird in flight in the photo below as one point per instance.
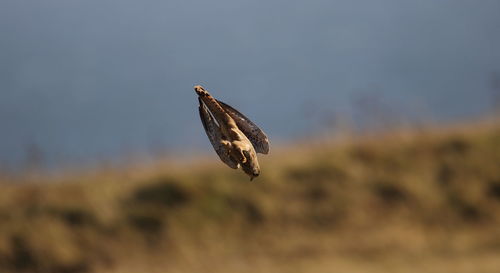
(235, 138)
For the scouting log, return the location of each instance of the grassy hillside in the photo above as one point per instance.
(403, 202)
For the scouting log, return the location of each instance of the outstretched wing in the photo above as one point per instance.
(215, 136)
(252, 132)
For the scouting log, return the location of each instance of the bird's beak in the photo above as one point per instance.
(251, 178)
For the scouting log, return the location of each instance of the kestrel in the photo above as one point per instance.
(235, 138)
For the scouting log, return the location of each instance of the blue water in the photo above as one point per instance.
(91, 80)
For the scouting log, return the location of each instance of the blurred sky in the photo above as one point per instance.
(98, 79)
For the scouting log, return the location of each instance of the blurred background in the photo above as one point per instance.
(98, 80)
(382, 116)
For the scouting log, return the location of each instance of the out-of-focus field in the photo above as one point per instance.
(421, 201)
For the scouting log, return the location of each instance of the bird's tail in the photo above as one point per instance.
(212, 104)
(201, 91)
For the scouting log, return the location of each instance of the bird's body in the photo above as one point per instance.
(232, 135)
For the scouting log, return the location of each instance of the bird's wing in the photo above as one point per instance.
(215, 136)
(258, 138)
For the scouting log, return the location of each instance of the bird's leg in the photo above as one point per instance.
(241, 156)
(228, 147)
(234, 150)
(238, 151)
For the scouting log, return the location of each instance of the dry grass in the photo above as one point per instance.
(402, 202)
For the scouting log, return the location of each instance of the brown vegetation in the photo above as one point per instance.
(409, 202)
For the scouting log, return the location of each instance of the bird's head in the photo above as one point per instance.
(251, 165)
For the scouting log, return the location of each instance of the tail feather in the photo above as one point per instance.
(212, 104)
